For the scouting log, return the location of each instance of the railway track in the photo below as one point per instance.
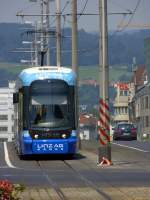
(88, 183)
(56, 178)
(52, 183)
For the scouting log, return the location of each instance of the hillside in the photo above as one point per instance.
(122, 47)
(88, 94)
(10, 71)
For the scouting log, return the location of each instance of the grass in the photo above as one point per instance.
(92, 72)
(85, 72)
(13, 68)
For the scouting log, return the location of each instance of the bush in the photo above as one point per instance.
(9, 191)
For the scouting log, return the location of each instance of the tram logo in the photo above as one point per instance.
(50, 147)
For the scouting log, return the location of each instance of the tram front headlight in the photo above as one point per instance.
(64, 136)
(36, 136)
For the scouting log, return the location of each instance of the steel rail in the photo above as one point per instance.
(52, 183)
(88, 182)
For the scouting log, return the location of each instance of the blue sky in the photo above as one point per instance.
(9, 8)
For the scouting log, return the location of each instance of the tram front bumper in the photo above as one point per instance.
(68, 146)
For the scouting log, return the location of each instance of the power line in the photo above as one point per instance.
(83, 9)
(120, 6)
(25, 8)
(79, 14)
(131, 18)
(65, 6)
(118, 30)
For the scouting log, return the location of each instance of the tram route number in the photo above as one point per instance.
(50, 147)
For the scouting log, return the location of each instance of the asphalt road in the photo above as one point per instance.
(129, 173)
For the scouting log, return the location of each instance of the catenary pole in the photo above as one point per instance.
(104, 151)
(75, 56)
(74, 37)
(36, 45)
(42, 34)
(58, 32)
(47, 35)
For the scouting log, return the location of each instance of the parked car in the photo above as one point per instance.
(125, 130)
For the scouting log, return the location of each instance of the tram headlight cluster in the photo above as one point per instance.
(36, 136)
(64, 136)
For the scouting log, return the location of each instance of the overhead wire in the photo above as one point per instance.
(120, 6)
(25, 8)
(121, 22)
(130, 19)
(65, 6)
(64, 17)
(134, 11)
(80, 13)
(83, 9)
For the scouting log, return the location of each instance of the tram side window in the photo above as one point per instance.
(146, 121)
(20, 114)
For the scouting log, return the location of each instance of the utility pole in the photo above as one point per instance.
(47, 32)
(74, 37)
(42, 34)
(104, 150)
(36, 45)
(58, 32)
(43, 31)
(75, 57)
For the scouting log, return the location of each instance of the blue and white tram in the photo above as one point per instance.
(45, 103)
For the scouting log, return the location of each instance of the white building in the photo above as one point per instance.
(121, 102)
(7, 112)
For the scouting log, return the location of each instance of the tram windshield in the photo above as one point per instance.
(49, 105)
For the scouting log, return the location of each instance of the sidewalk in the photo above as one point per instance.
(107, 191)
(88, 193)
(124, 193)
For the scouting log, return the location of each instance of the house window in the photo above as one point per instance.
(142, 102)
(3, 117)
(3, 103)
(12, 117)
(121, 110)
(121, 92)
(125, 93)
(146, 102)
(125, 110)
(3, 129)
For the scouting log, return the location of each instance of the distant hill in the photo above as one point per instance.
(10, 71)
(122, 47)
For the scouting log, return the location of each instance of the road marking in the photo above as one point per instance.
(3, 167)
(7, 160)
(137, 149)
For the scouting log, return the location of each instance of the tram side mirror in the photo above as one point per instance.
(15, 97)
